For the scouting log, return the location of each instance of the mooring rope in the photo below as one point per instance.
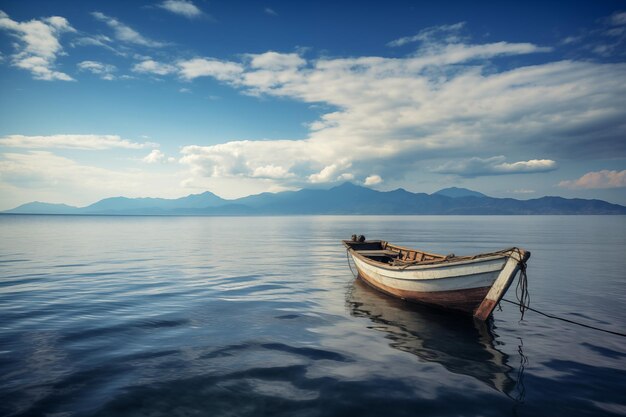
(349, 264)
(552, 316)
(521, 291)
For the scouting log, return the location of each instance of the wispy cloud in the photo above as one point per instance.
(598, 179)
(496, 165)
(92, 142)
(38, 45)
(44, 176)
(125, 33)
(606, 39)
(104, 71)
(434, 35)
(101, 41)
(181, 7)
(270, 11)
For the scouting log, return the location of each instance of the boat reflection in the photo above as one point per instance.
(459, 343)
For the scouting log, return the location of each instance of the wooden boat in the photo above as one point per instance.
(470, 284)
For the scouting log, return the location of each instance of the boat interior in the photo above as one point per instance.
(385, 252)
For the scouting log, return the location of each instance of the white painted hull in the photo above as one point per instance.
(435, 278)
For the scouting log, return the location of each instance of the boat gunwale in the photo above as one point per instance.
(430, 264)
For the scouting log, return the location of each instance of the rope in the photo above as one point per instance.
(349, 264)
(521, 291)
(567, 320)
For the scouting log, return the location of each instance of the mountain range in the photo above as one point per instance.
(347, 198)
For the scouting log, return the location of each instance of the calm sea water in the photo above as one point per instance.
(230, 316)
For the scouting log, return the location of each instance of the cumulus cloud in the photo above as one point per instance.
(181, 7)
(125, 33)
(333, 172)
(38, 45)
(154, 157)
(153, 67)
(373, 180)
(476, 167)
(203, 67)
(388, 114)
(92, 142)
(598, 179)
(157, 157)
(275, 61)
(105, 71)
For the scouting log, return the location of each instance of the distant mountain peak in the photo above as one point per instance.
(347, 185)
(455, 192)
(346, 198)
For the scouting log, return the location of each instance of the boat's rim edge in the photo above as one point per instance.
(478, 258)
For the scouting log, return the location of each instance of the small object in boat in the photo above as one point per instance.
(354, 238)
(470, 284)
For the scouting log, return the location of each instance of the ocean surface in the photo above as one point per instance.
(260, 316)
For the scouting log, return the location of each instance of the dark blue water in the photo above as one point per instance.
(228, 316)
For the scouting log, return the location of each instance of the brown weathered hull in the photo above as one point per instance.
(467, 300)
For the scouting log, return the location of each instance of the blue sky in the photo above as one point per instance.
(168, 98)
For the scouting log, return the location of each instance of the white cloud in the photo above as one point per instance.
(202, 67)
(105, 71)
(44, 169)
(125, 33)
(598, 179)
(153, 67)
(93, 142)
(333, 173)
(157, 157)
(270, 11)
(276, 61)
(38, 45)
(373, 180)
(44, 176)
(181, 7)
(388, 114)
(475, 167)
(271, 171)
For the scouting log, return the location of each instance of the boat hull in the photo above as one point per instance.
(461, 288)
(472, 285)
